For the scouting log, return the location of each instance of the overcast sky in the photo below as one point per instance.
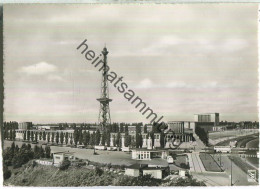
(180, 59)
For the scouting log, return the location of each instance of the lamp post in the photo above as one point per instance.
(231, 171)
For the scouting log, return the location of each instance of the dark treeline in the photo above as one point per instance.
(203, 135)
(9, 130)
(16, 157)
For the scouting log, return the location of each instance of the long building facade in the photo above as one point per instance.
(177, 132)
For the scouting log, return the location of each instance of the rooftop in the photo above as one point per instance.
(137, 166)
(63, 152)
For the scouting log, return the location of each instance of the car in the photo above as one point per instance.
(169, 159)
(81, 146)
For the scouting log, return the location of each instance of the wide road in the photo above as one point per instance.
(195, 163)
(239, 177)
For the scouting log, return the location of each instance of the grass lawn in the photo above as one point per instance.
(181, 161)
(209, 163)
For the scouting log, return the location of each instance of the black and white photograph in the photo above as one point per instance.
(155, 95)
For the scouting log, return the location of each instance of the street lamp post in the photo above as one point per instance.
(231, 170)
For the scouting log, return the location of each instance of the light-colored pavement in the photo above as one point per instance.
(239, 177)
(199, 144)
(195, 162)
(113, 157)
(213, 179)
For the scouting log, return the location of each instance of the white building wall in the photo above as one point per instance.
(132, 172)
(157, 140)
(154, 173)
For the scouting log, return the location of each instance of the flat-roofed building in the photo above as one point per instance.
(155, 172)
(25, 125)
(207, 117)
(59, 157)
(136, 170)
(47, 127)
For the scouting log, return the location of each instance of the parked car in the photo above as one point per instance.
(81, 146)
(169, 159)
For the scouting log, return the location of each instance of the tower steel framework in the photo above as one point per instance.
(104, 112)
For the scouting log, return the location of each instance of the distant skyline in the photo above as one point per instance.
(180, 59)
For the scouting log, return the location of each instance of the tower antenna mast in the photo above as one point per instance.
(104, 112)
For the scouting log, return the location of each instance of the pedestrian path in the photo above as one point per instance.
(195, 163)
(200, 145)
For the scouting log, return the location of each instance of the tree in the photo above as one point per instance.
(6, 133)
(108, 139)
(11, 135)
(103, 139)
(36, 151)
(28, 135)
(48, 137)
(24, 135)
(60, 126)
(155, 127)
(145, 129)
(64, 165)
(97, 137)
(80, 136)
(52, 137)
(61, 138)
(7, 172)
(118, 141)
(85, 137)
(57, 137)
(66, 138)
(47, 152)
(91, 139)
(162, 139)
(203, 135)
(138, 140)
(36, 136)
(40, 136)
(41, 152)
(32, 136)
(12, 148)
(14, 134)
(126, 128)
(88, 137)
(141, 141)
(127, 140)
(109, 128)
(71, 141)
(44, 136)
(121, 128)
(76, 136)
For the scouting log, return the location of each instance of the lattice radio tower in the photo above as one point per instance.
(104, 112)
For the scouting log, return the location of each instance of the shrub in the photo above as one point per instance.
(184, 166)
(65, 164)
(7, 173)
(98, 171)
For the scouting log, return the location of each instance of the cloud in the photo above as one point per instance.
(180, 84)
(55, 78)
(145, 83)
(40, 68)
